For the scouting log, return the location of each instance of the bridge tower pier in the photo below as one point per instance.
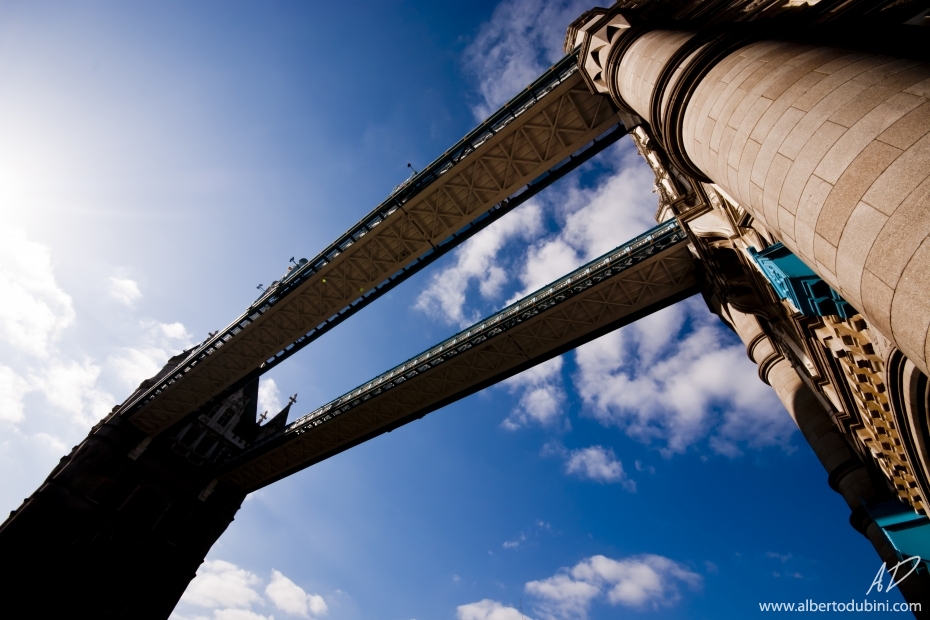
(793, 142)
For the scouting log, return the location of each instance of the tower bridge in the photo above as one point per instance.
(551, 126)
(791, 161)
(636, 279)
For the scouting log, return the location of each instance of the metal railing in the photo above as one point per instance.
(614, 262)
(556, 75)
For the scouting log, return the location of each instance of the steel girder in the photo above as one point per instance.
(636, 279)
(545, 125)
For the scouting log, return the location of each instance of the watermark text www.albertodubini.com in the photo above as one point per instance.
(865, 605)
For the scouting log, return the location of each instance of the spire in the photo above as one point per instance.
(278, 422)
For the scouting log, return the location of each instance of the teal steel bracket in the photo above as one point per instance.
(794, 280)
(907, 531)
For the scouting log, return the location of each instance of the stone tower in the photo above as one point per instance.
(792, 140)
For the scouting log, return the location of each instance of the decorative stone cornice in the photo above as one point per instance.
(596, 32)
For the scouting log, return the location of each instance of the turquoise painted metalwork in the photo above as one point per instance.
(907, 531)
(794, 280)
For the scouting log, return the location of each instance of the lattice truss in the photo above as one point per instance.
(564, 315)
(565, 120)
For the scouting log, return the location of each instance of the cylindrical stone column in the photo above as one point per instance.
(641, 65)
(847, 474)
(828, 148)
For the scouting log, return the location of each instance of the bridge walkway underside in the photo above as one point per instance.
(544, 126)
(638, 278)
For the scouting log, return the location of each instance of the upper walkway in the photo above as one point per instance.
(638, 278)
(546, 130)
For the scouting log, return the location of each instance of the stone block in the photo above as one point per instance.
(763, 69)
(825, 254)
(806, 161)
(860, 135)
(851, 186)
(909, 128)
(777, 72)
(900, 178)
(921, 89)
(882, 72)
(804, 239)
(840, 59)
(910, 308)
(816, 116)
(724, 116)
(721, 164)
(755, 110)
(736, 63)
(903, 233)
(782, 104)
(774, 180)
(786, 228)
(877, 94)
(876, 302)
(812, 198)
(858, 236)
(744, 166)
(771, 143)
(709, 126)
(836, 79)
(801, 72)
(755, 198)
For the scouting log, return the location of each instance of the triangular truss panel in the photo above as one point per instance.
(501, 161)
(648, 273)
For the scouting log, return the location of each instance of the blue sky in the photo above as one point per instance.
(159, 160)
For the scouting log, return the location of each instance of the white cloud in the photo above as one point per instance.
(475, 261)
(292, 599)
(600, 464)
(520, 40)
(238, 614)
(563, 597)
(72, 388)
(539, 527)
(157, 342)
(50, 443)
(231, 593)
(124, 290)
(595, 220)
(12, 390)
(174, 331)
(516, 542)
(542, 401)
(489, 610)
(222, 584)
(33, 317)
(592, 222)
(34, 310)
(134, 364)
(638, 582)
(677, 377)
(269, 397)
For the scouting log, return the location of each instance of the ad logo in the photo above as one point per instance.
(878, 583)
